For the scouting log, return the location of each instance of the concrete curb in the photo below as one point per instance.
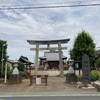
(48, 94)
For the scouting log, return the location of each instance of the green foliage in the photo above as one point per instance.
(65, 75)
(20, 66)
(3, 50)
(97, 63)
(23, 74)
(83, 44)
(97, 54)
(9, 73)
(94, 75)
(80, 78)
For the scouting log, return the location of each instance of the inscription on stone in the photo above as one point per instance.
(86, 69)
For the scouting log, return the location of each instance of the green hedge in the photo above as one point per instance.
(80, 78)
(94, 75)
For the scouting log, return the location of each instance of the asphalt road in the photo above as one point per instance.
(52, 98)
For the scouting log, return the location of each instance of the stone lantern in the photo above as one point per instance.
(71, 77)
(15, 71)
(15, 77)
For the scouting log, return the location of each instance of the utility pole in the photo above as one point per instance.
(5, 74)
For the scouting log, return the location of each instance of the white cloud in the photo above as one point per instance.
(17, 26)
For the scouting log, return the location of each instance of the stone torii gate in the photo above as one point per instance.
(48, 43)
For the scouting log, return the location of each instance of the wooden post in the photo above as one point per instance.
(31, 80)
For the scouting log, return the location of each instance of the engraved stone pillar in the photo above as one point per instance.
(60, 59)
(86, 69)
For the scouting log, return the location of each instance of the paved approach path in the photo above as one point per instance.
(56, 85)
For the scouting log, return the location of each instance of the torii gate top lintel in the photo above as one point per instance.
(45, 42)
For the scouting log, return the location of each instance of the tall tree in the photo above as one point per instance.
(83, 44)
(97, 59)
(3, 55)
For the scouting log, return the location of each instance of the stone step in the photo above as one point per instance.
(97, 85)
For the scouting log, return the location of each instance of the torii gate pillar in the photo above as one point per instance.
(60, 59)
(36, 59)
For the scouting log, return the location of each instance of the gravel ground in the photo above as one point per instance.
(55, 85)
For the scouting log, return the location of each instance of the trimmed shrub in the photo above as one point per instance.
(94, 75)
(97, 63)
(24, 74)
(21, 66)
(80, 78)
(9, 73)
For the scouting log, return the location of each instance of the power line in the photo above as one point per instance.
(40, 7)
(78, 1)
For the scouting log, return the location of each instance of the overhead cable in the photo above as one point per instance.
(67, 2)
(40, 7)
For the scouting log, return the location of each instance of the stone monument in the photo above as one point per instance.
(86, 69)
(85, 73)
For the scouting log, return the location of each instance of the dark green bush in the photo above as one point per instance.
(80, 78)
(21, 66)
(64, 75)
(24, 74)
(97, 63)
(94, 75)
(9, 73)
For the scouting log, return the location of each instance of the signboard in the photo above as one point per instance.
(52, 56)
(86, 69)
(38, 80)
(77, 65)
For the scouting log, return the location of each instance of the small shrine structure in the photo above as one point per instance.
(26, 62)
(50, 60)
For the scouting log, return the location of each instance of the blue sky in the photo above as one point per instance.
(18, 26)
